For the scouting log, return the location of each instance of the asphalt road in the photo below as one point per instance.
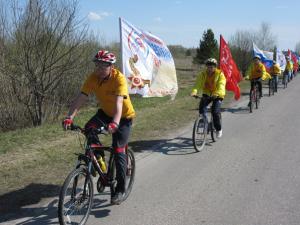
(248, 177)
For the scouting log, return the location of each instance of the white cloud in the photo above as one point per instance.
(157, 19)
(98, 16)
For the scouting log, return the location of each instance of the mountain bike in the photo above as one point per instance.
(77, 193)
(203, 126)
(254, 96)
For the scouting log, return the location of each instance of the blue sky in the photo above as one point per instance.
(184, 21)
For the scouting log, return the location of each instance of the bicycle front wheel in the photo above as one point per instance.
(76, 198)
(199, 134)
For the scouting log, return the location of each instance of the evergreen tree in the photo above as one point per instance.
(208, 47)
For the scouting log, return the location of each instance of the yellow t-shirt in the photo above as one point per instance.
(106, 92)
(257, 71)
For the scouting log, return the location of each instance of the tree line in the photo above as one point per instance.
(46, 50)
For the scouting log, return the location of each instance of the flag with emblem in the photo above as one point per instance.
(229, 68)
(147, 63)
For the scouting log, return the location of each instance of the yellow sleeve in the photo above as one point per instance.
(198, 87)
(221, 85)
(265, 74)
(248, 72)
(121, 88)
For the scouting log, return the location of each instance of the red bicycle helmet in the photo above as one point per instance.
(105, 56)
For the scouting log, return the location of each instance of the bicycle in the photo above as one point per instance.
(271, 86)
(285, 79)
(203, 126)
(254, 96)
(77, 193)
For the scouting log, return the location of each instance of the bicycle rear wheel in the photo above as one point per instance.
(199, 134)
(76, 198)
(257, 98)
(252, 100)
(271, 87)
(130, 173)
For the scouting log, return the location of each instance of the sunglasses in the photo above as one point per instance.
(103, 64)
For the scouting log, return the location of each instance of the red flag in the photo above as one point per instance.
(289, 54)
(229, 68)
(295, 61)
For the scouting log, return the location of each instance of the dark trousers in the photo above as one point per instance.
(119, 141)
(215, 109)
(275, 80)
(258, 81)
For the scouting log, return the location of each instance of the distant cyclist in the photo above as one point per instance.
(255, 73)
(211, 84)
(288, 71)
(275, 71)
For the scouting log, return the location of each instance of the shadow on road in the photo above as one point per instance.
(11, 204)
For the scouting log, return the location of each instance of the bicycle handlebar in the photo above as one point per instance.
(100, 130)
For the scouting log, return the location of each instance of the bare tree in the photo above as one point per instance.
(46, 50)
(297, 48)
(264, 38)
(242, 44)
(241, 48)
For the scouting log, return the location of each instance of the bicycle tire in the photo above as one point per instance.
(256, 99)
(251, 102)
(199, 143)
(271, 88)
(130, 173)
(64, 216)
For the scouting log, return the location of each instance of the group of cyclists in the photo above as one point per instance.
(211, 83)
(109, 86)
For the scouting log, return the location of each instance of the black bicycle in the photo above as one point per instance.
(254, 96)
(285, 79)
(271, 86)
(203, 126)
(77, 193)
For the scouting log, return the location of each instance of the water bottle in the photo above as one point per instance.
(102, 164)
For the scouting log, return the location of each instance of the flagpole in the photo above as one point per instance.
(220, 52)
(121, 46)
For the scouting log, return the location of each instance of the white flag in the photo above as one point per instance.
(147, 63)
(280, 59)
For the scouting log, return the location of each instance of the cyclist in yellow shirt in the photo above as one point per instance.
(256, 72)
(211, 84)
(275, 71)
(288, 71)
(109, 86)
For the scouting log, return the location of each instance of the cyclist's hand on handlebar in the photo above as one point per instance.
(67, 123)
(112, 127)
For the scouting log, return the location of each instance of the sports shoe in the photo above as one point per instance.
(117, 198)
(219, 133)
